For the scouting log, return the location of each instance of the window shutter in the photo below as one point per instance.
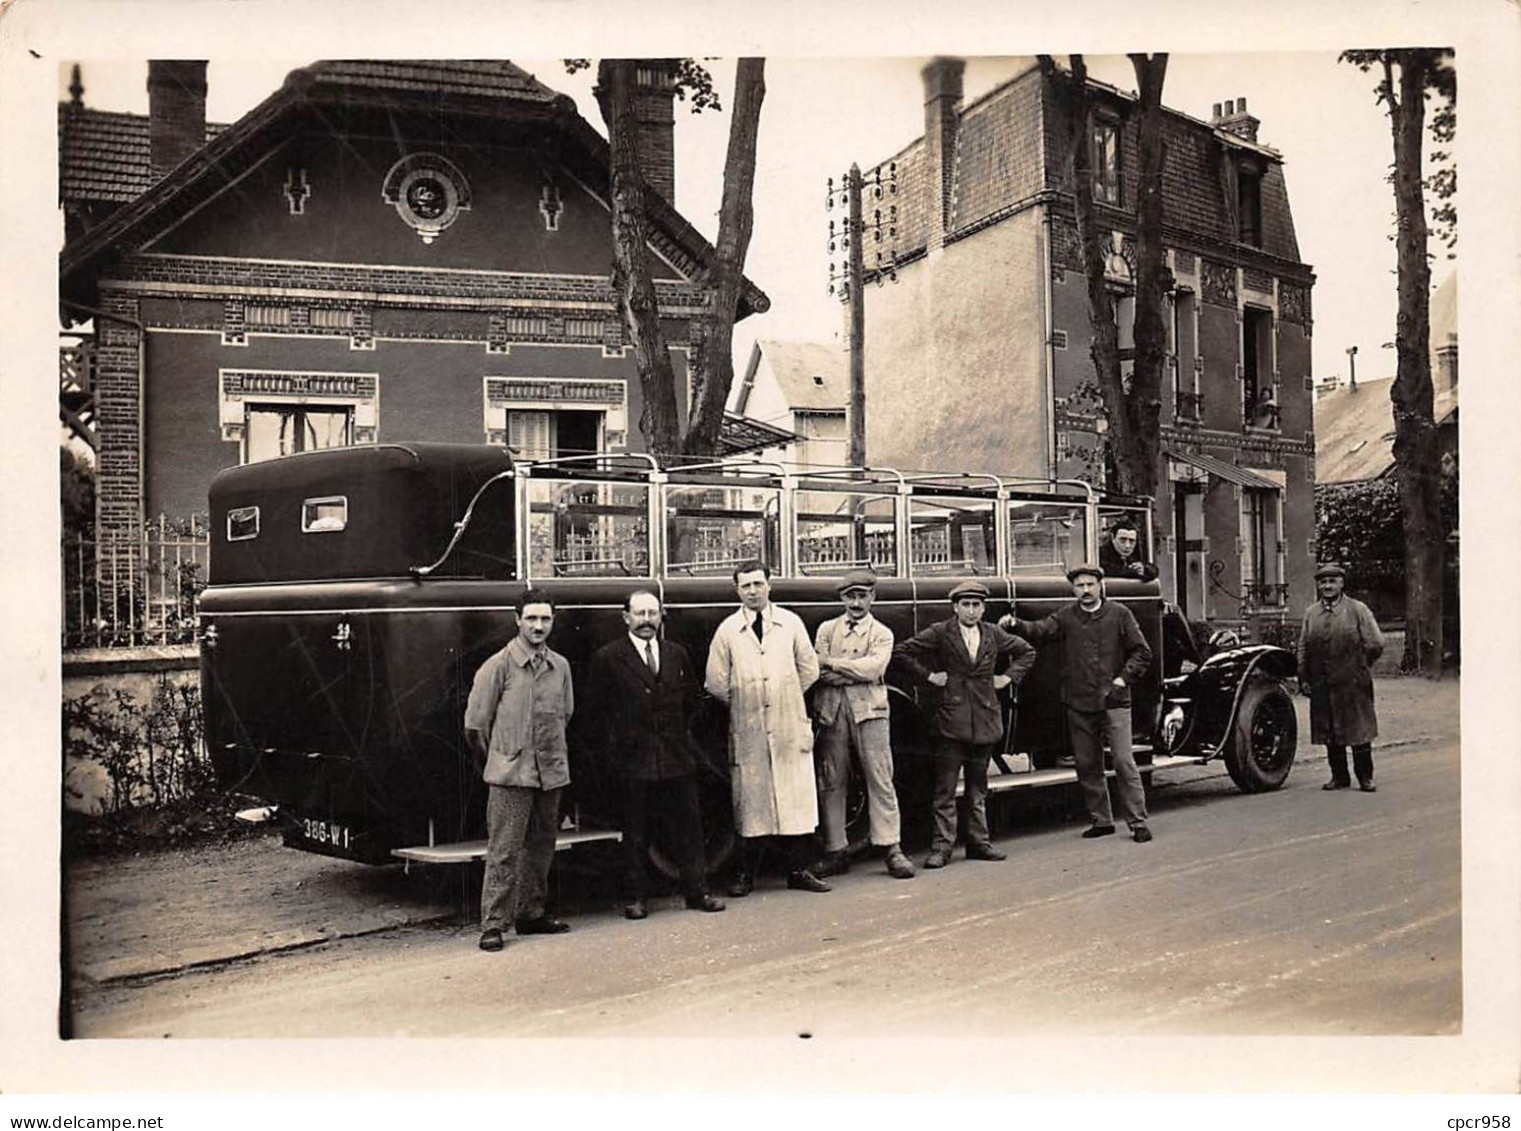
(528, 434)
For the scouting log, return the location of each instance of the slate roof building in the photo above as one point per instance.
(978, 352)
(400, 249)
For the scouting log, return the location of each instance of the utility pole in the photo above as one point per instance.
(856, 409)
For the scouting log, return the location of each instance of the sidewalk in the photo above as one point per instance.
(169, 911)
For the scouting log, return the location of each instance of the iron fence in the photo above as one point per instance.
(128, 588)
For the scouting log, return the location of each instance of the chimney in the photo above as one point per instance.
(176, 111)
(942, 116)
(655, 119)
(1235, 119)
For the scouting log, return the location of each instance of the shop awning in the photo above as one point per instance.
(1222, 470)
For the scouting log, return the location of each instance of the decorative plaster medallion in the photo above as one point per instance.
(428, 193)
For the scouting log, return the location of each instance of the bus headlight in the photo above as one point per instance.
(1172, 725)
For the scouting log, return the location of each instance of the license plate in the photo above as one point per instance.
(328, 833)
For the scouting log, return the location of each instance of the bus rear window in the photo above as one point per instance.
(242, 524)
(325, 514)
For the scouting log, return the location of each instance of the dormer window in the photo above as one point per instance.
(1249, 204)
(1104, 156)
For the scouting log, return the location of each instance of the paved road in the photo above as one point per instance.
(1297, 912)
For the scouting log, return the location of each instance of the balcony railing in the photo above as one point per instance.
(1188, 406)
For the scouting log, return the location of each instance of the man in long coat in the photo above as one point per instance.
(642, 691)
(968, 661)
(1338, 642)
(759, 664)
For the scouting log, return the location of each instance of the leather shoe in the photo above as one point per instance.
(804, 880)
(1140, 834)
(1367, 787)
(984, 852)
(1334, 784)
(898, 865)
(543, 925)
(1094, 831)
(636, 910)
(833, 864)
(704, 902)
(937, 859)
(491, 939)
(741, 885)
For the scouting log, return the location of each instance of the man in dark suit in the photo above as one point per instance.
(962, 657)
(642, 691)
(1121, 555)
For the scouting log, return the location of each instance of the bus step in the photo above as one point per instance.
(468, 850)
(1035, 778)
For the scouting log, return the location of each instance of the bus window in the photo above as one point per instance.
(1046, 537)
(588, 529)
(710, 529)
(326, 514)
(242, 524)
(1138, 518)
(838, 531)
(952, 535)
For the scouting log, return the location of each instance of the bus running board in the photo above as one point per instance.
(467, 850)
(1033, 779)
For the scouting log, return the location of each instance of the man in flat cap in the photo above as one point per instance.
(1103, 653)
(1338, 642)
(968, 662)
(850, 707)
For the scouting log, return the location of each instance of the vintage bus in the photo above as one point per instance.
(354, 592)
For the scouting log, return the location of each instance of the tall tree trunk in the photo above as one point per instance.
(632, 284)
(1138, 446)
(1417, 456)
(714, 372)
(1072, 90)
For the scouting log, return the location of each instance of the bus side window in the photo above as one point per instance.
(325, 514)
(242, 524)
(588, 529)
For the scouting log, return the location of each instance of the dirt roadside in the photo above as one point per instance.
(164, 912)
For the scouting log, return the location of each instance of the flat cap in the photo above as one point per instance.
(969, 589)
(1330, 569)
(857, 579)
(1087, 568)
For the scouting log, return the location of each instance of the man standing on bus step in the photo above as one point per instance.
(1103, 654)
(515, 724)
(1338, 642)
(759, 665)
(641, 691)
(850, 706)
(1120, 556)
(961, 656)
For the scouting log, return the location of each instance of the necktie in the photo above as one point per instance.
(759, 629)
(649, 657)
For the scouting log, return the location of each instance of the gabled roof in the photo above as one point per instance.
(812, 376)
(495, 90)
(103, 155)
(1354, 430)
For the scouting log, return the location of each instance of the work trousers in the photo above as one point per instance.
(795, 849)
(521, 825)
(672, 802)
(1087, 730)
(1362, 762)
(970, 760)
(869, 739)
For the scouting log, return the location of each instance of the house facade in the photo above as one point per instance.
(801, 387)
(979, 352)
(378, 250)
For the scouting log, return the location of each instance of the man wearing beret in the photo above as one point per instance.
(1103, 653)
(1338, 642)
(961, 657)
(850, 706)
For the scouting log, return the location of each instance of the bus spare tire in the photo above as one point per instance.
(1263, 738)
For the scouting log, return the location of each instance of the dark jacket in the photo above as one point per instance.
(967, 709)
(1096, 647)
(1115, 566)
(638, 720)
(1337, 647)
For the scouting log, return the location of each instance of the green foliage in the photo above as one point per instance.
(76, 493)
(1360, 526)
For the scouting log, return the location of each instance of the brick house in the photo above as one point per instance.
(979, 351)
(378, 250)
(802, 387)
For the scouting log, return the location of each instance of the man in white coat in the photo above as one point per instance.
(759, 664)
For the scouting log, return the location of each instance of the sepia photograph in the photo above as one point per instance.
(798, 545)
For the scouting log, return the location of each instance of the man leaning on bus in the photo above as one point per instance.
(1103, 654)
(515, 724)
(759, 665)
